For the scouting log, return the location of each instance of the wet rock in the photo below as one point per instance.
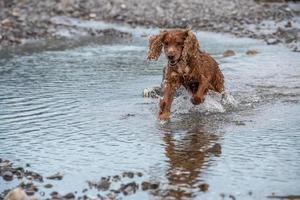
(272, 41)
(139, 174)
(84, 190)
(203, 187)
(16, 194)
(228, 53)
(55, 195)
(7, 175)
(6, 164)
(128, 174)
(145, 185)
(252, 52)
(112, 196)
(33, 175)
(57, 176)
(103, 184)
(116, 178)
(30, 192)
(129, 188)
(149, 186)
(240, 123)
(215, 149)
(288, 24)
(69, 196)
(48, 185)
(29, 187)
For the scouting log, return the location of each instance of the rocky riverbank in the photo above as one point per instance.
(33, 19)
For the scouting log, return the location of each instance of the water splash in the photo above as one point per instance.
(214, 103)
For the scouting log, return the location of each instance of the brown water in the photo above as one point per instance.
(80, 111)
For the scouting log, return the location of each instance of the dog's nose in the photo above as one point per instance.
(171, 57)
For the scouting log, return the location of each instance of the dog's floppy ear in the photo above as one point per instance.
(155, 45)
(191, 45)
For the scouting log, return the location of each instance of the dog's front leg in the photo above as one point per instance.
(198, 96)
(166, 101)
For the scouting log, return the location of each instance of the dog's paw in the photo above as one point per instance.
(164, 116)
(197, 100)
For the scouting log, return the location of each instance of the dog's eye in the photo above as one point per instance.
(166, 44)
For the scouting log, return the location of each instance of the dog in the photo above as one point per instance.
(187, 66)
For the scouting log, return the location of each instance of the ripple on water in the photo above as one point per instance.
(81, 110)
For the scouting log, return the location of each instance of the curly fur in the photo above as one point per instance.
(155, 46)
(196, 70)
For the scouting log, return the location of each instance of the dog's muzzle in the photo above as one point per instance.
(173, 63)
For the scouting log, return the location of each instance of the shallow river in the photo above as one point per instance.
(80, 111)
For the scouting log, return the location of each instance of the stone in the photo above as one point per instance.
(215, 149)
(7, 175)
(228, 53)
(7, 23)
(16, 194)
(272, 41)
(252, 52)
(69, 196)
(48, 185)
(203, 187)
(57, 176)
(128, 174)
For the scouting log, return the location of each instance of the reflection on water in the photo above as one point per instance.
(81, 112)
(187, 157)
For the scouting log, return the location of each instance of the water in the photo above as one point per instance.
(80, 111)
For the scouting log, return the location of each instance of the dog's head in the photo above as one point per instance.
(178, 44)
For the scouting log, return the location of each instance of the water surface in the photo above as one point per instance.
(80, 111)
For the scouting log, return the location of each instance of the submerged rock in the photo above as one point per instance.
(57, 176)
(103, 184)
(128, 174)
(252, 52)
(228, 53)
(48, 185)
(215, 149)
(129, 188)
(203, 187)
(69, 196)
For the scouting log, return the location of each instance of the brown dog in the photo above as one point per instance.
(187, 65)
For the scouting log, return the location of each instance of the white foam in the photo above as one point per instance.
(213, 103)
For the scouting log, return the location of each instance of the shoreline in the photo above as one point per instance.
(271, 22)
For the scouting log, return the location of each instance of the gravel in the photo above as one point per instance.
(272, 22)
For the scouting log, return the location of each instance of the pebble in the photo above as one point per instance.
(69, 196)
(215, 149)
(8, 176)
(57, 176)
(228, 53)
(128, 174)
(48, 185)
(129, 188)
(252, 52)
(203, 187)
